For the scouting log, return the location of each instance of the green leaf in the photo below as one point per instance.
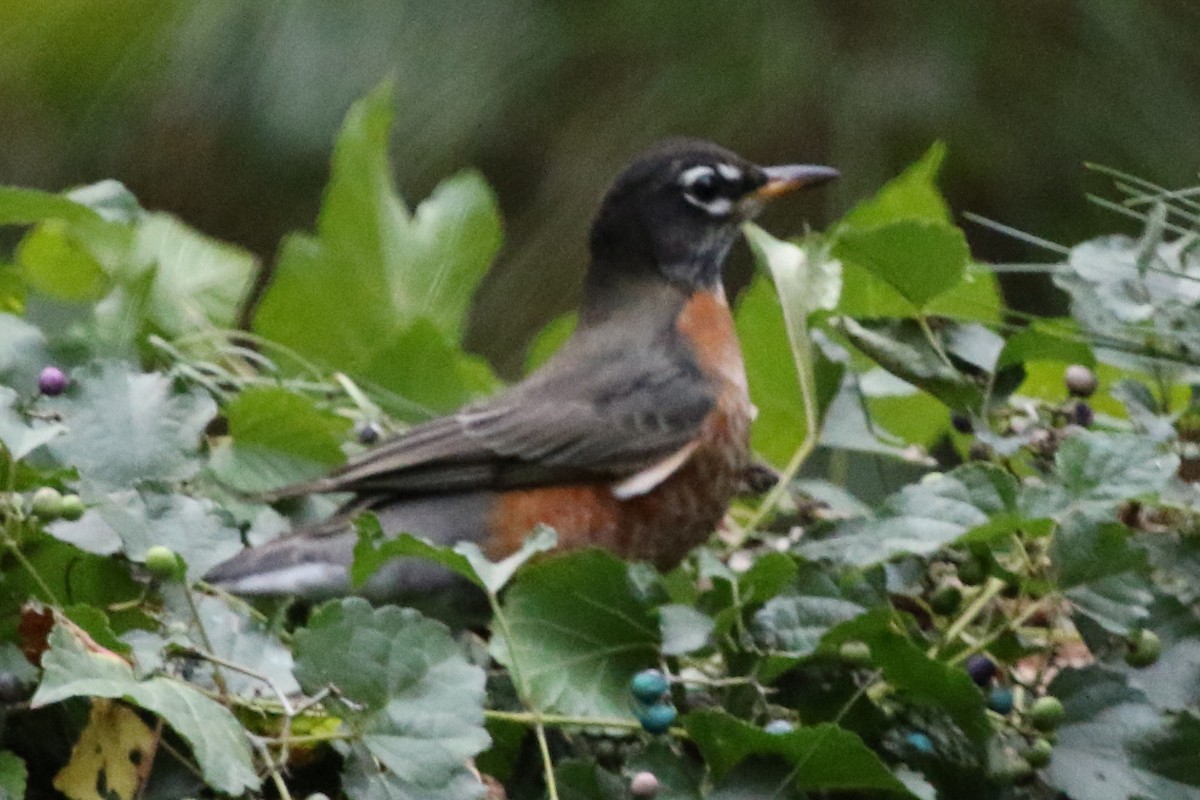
(794, 622)
(1172, 683)
(917, 258)
(16, 434)
(978, 501)
(684, 629)
(199, 283)
(373, 550)
(916, 676)
(23, 353)
(774, 384)
(232, 634)
(901, 349)
(1084, 549)
(575, 633)
(134, 521)
(13, 776)
(53, 263)
(29, 206)
(1098, 471)
(551, 337)
(126, 426)
(1114, 745)
(826, 757)
(276, 438)
(350, 297)
(411, 700)
(218, 743)
(911, 195)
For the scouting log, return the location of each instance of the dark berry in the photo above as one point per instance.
(981, 669)
(778, 727)
(961, 423)
(1144, 649)
(52, 381)
(1083, 415)
(1080, 380)
(657, 718)
(368, 433)
(1046, 713)
(920, 742)
(979, 452)
(1000, 700)
(644, 784)
(945, 599)
(855, 652)
(649, 685)
(1038, 753)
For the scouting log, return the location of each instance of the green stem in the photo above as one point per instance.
(992, 588)
(923, 324)
(802, 355)
(535, 715)
(27, 565)
(526, 718)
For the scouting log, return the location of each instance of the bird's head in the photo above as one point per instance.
(674, 212)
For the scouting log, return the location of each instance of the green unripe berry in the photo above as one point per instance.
(855, 652)
(162, 562)
(945, 599)
(1144, 649)
(72, 507)
(1046, 713)
(1038, 753)
(46, 503)
(973, 571)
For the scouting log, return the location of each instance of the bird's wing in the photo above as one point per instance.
(613, 417)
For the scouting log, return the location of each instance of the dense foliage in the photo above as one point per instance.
(1022, 624)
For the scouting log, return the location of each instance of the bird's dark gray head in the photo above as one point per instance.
(677, 208)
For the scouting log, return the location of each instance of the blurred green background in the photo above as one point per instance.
(223, 112)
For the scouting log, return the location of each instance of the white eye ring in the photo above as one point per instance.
(716, 205)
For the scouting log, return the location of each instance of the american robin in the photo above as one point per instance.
(633, 437)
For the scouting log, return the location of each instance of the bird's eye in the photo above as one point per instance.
(702, 188)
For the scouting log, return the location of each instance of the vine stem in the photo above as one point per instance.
(992, 588)
(527, 718)
(535, 715)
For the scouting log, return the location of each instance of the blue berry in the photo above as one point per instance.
(657, 718)
(368, 433)
(778, 727)
(920, 742)
(981, 669)
(1000, 700)
(649, 685)
(52, 381)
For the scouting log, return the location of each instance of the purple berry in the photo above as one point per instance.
(1084, 415)
(981, 669)
(52, 382)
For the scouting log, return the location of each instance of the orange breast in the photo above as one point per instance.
(665, 523)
